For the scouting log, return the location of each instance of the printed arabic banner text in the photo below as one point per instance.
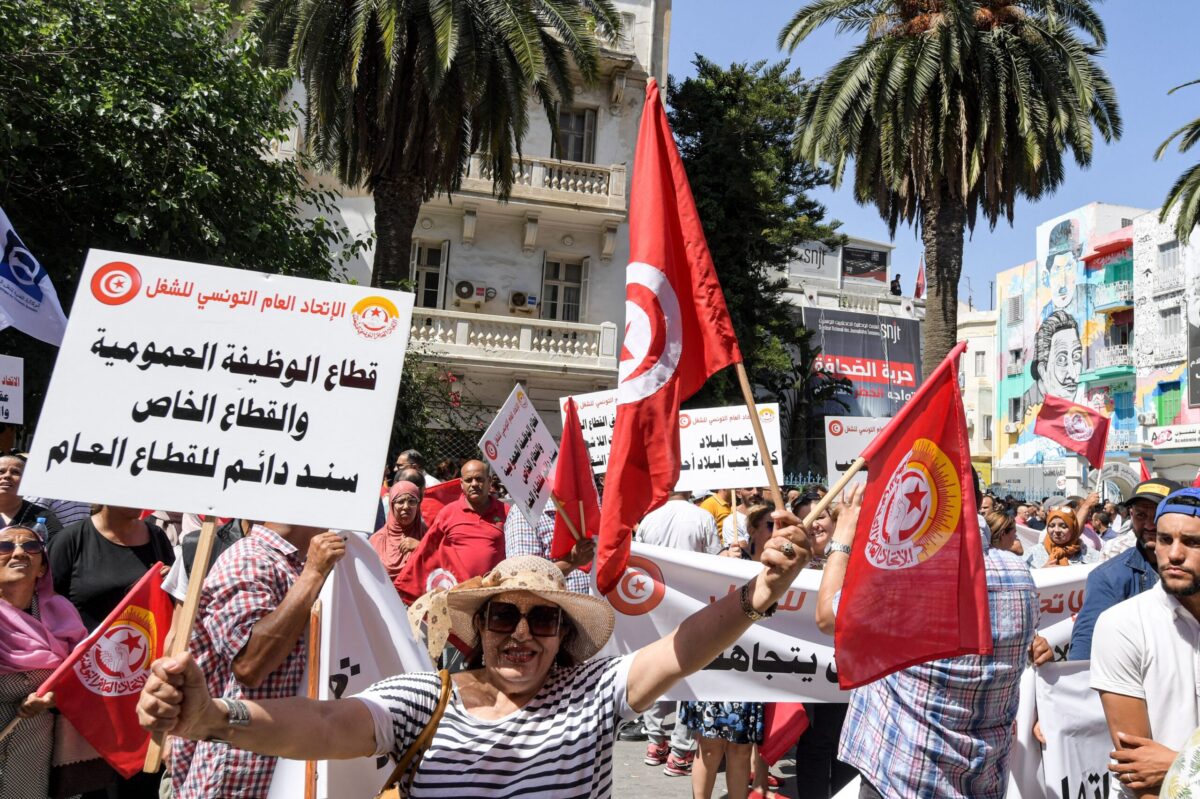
(845, 439)
(719, 451)
(597, 416)
(12, 390)
(198, 388)
(522, 453)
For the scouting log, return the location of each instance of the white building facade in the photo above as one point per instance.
(977, 379)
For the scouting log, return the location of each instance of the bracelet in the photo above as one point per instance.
(748, 609)
(838, 546)
(237, 711)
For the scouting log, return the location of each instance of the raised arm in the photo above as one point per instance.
(836, 561)
(706, 633)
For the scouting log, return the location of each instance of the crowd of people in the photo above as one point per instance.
(522, 697)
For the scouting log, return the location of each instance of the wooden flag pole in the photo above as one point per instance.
(567, 517)
(185, 622)
(582, 521)
(314, 687)
(834, 492)
(763, 453)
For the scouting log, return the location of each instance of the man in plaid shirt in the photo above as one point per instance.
(520, 538)
(250, 640)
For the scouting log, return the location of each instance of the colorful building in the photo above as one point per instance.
(1065, 328)
(1166, 353)
(977, 380)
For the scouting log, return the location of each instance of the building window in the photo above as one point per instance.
(562, 290)
(428, 271)
(577, 135)
(1172, 322)
(1168, 255)
(1014, 409)
(980, 363)
(1126, 222)
(1123, 410)
(1167, 402)
(1015, 310)
(625, 40)
(987, 428)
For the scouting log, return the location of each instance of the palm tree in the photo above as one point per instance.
(400, 93)
(1186, 191)
(953, 107)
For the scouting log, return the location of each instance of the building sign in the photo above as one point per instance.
(1173, 436)
(879, 355)
(1193, 364)
(814, 260)
(12, 390)
(202, 389)
(845, 439)
(522, 453)
(864, 264)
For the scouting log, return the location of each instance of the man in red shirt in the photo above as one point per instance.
(465, 540)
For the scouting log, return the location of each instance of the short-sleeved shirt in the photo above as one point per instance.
(679, 524)
(733, 530)
(559, 744)
(521, 538)
(1148, 647)
(474, 540)
(95, 573)
(248, 581)
(718, 508)
(945, 728)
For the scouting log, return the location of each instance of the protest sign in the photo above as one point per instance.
(12, 390)
(785, 658)
(522, 453)
(198, 388)
(719, 451)
(845, 439)
(1075, 758)
(597, 416)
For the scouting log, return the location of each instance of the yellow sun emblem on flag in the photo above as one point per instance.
(919, 511)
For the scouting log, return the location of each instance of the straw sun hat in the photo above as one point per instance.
(453, 611)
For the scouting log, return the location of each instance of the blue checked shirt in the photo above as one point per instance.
(521, 539)
(943, 729)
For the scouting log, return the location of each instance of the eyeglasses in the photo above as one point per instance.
(28, 547)
(504, 617)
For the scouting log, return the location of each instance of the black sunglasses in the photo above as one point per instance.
(28, 547)
(504, 617)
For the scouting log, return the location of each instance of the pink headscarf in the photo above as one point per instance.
(27, 643)
(386, 540)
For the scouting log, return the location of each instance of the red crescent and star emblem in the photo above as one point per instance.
(653, 333)
(640, 590)
(919, 510)
(116, 283)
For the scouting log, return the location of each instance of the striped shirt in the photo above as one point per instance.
(560, 744)
(944, 729)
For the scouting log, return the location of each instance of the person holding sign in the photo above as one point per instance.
(534, 695)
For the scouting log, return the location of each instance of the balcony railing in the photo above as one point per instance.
(1114, 355)
(1122, 439)
(1169, 350)
(531, 342)
(1118, 294)
(1168, 280)
(1014, 369)
(551, 180)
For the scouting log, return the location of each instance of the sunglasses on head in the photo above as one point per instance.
(504, 617)
(28, 547)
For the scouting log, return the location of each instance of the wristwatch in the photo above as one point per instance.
(748, 609)
(838, 546)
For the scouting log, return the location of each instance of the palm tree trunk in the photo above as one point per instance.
(397, 205)
(942, 224)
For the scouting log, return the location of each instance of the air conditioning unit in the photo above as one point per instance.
(1011, 427)
(522, 302)
(467, 292)
(1148, 419)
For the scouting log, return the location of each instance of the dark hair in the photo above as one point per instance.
(564, 659)
(414, 457)
(806, 498)
(413, 476)
(1000, 524)
(1103, 517)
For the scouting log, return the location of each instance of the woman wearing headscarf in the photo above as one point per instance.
(535, 695)
(404, 527)
(38, 629)
(1062, 544)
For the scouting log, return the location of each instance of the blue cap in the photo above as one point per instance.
(1185, 501)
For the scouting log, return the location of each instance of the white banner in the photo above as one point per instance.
(522, 453)
(1075, 759)
(597, 416)
(719, 451)
(845, 439)
(197, 388)
(28, 300)
(781, 659)
(365, 637)
(12, 390)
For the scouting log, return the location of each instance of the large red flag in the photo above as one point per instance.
(1078, 428)
(574, 487)
(97, 687)
(915, 589)
(439, 496)
(677, 334)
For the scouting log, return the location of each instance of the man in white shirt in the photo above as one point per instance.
(1146, 655)
(733, 529)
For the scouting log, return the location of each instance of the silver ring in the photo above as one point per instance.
(787, 549)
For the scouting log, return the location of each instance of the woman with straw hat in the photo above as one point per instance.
(535, 715)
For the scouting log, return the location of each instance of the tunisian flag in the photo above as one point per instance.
(574, 488)
(915, 589)
(97, 687)
(1078, 428)
(677, 334)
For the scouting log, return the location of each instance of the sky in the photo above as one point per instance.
(1152, 47)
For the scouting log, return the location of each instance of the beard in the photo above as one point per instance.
(1183, 590)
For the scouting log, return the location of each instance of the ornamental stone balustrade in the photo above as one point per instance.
(549, 180)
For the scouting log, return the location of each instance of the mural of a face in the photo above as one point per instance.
(1066, 364)
(1061, 277)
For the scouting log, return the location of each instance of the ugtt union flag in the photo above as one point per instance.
(677, 334)
(915, 589)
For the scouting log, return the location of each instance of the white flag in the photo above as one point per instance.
(28, 301)
(365, 637)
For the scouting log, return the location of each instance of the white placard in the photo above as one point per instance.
(845, 439)
(522, 453)
(12, 390)
(1075, 758)
(198, 388)
(718, 449)
(597, 416)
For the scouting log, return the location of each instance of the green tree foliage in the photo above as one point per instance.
(144, 126)
(1186, 192)
(400, 94)
(736, 135)
(949, 108)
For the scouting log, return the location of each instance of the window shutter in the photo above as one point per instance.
(414, 257)
(445, 271)
(542, 294)
(583, 288)
(589, 136)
